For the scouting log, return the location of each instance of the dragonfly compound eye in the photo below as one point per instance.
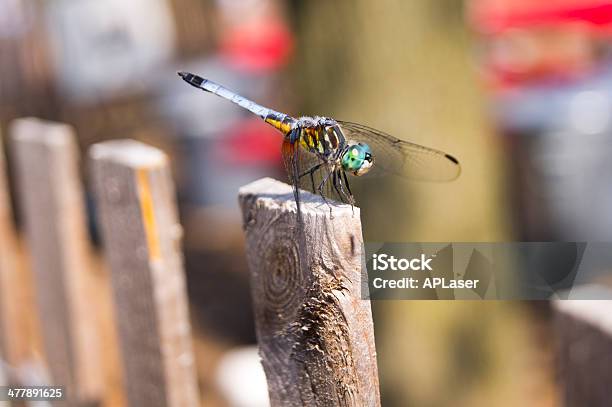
(357, 159)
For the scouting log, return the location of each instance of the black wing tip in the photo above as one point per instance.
(457, 167)
(451, 158)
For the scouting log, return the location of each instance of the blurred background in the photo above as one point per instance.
(519, 90)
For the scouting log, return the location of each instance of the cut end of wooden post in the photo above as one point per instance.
(274, 194)
(34, 130)
(130, 153)
(593, 312)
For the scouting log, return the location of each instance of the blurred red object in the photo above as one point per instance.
(261, 46)
(533, 40)
(250, 141)
(495, 16)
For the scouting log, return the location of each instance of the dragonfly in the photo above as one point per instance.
(321, 151)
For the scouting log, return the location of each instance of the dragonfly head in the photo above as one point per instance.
(357, 159)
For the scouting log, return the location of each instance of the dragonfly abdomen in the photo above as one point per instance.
(222, 91)
(281, 122)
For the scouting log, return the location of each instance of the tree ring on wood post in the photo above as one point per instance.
(282, 284)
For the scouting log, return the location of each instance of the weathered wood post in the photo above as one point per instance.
(315, 333)
(51, 199)
(141, 234)
(583, 329)
(13, 329)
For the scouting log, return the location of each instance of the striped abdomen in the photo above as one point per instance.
(279, 120)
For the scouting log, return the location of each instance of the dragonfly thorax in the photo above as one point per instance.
(316, 121)
(321, 136)
(324, 137)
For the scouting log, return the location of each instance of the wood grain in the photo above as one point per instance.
(141, 234)
(51, 201)
(315, 334)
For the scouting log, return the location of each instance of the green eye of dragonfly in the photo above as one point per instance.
(357, 159)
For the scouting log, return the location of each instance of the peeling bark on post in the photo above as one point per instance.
(51, 199)
(584, 351)
(315, 333)
(141, 234)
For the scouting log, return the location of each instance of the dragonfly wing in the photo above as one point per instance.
(410, 160)
(301, 174)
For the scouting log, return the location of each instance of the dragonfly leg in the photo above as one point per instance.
(293, 150)
(335, 180)
(312, 179)
(311, 171)
(347, 185)
(320, 189)
(349, 195)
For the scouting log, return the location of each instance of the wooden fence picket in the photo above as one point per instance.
(13, 326)
(141, 235)
(52, 205)
(315, 333)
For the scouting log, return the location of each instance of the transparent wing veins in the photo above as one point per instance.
(410, 160)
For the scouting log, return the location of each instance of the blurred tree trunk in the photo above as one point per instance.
(408, 68)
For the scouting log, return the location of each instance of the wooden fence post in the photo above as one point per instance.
(315, 333)
(51, 199)
(141, 233)
(583, 329)
(13, 330)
